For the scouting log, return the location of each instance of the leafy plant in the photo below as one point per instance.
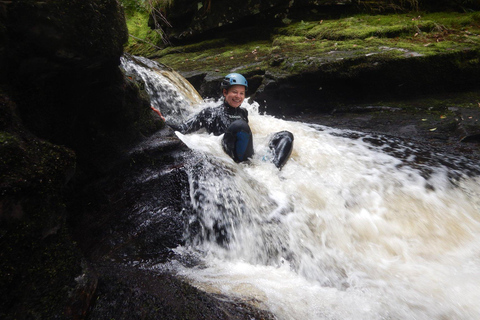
(150, 7)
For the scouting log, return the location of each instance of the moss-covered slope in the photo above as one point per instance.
(317, 64)
(301, 45)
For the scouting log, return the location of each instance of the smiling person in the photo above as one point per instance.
(231, 120)
(228, 118)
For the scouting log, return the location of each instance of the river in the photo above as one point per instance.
(354, 226)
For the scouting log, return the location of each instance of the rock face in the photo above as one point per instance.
(66, 113)
(69, 118)
(61, 64)
(196, 19)
(206, 19)
(38, 260)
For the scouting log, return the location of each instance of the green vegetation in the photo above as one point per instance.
(357, 45)
(416, 5)
(387, 26)
(299, 45)
(142, 39)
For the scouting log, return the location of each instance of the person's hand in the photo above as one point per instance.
(158, 112)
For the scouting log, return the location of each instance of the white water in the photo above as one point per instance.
(344, 231)
(168, 91)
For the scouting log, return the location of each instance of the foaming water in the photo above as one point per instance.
(168, 91)
(353, 227)
(344, 231)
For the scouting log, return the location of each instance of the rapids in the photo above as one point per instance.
(354, 226)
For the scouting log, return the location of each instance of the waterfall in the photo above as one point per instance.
(355, 226)
(168, 91)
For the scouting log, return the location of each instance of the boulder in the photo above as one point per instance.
(60, 62)
(189, 20)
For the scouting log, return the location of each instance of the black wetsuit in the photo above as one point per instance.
(224, 119)
(215, 120)
(238, 140)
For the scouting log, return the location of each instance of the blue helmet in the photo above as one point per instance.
(234, 79)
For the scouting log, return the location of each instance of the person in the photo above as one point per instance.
(231, 119)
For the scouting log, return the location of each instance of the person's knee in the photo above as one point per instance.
(238, 141)
(281, 136)
(282, 145)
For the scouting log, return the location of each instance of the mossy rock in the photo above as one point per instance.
(38, 261)
(308, 64)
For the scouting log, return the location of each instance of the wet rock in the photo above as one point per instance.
(469, 124)
(128, 225)
(67, 113)
(60, 62)
(38, 260)
(132, 214)
(353, 81)
(125, 292)
(189, 20)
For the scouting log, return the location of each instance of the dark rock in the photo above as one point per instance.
(61, 65)
(469, 124)
(351, 81)
(126, 292)
(194, 20)
(67, 113)
(38, 260)
(105, 211)
(131, 221)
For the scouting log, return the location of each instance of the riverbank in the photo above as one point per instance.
(449, 123)
(361, 55)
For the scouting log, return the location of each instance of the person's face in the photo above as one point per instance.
(235, 95)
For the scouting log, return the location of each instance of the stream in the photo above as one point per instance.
(355, 225)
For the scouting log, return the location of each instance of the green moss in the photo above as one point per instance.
(220, 58)
(195, 47)
(304, 45)
(384, 26)
(7, 139)
(142, 40)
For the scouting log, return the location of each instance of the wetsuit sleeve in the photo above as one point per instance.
(196, 123)
(245, 114)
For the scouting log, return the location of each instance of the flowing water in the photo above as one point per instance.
(353, 227)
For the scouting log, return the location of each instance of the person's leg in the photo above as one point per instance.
(281, 145)
(238, 141)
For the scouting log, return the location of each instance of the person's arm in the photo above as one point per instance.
(245, 114)
(193, 124)
(158, 112)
